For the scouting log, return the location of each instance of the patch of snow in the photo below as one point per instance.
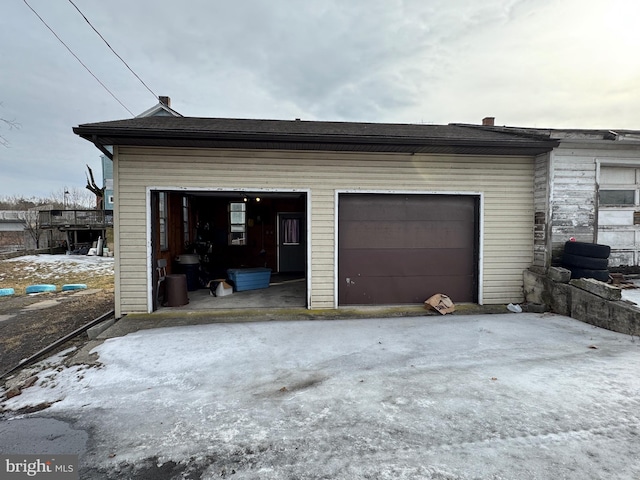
(456, 397)
(65, 264)
(632, 294)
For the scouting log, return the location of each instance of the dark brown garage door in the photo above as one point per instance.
(401, 249)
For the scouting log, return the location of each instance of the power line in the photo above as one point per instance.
(110, 48)
(77, 58)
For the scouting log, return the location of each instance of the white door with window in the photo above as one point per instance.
(619, 214)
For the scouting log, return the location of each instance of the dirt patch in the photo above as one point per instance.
(30, 323)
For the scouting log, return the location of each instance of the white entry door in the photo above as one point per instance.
(619, 214)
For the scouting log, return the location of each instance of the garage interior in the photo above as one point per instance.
(203, 234)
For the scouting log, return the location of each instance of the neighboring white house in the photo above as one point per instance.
(588, 188)
(161, 109)
(367, 213)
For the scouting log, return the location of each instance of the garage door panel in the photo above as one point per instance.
(401, 249)
(406, 234)
(404, 262)
(387, 290)
(406, 208)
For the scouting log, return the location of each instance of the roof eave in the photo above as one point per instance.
(146, 137)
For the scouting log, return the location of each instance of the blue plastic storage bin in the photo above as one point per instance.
(249, 278)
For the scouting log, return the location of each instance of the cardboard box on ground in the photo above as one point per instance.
(441, 303)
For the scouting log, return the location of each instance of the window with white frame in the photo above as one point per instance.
(619, 186)
(237, 223)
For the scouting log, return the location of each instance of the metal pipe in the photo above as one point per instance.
(57, 343)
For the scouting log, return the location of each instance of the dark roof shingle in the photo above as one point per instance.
(309, 135)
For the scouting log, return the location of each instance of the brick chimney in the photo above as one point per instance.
(165, 101)
(486, 121)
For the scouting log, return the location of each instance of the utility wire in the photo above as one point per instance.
(110, 48)
(77, 58)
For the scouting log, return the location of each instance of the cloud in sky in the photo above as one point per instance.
(546, 63)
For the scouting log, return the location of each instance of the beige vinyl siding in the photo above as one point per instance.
(506, 182)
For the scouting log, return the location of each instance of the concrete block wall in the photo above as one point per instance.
(573, 300)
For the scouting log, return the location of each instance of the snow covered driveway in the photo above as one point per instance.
(523, 396)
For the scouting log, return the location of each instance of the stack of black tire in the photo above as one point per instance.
(587, 260)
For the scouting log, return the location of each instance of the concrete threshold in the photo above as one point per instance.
(134, 322)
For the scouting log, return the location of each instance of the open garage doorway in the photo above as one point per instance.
(214, 236)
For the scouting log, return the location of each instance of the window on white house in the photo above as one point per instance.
(617, 197)
(110, 199)
(237, 223)
(619, 186)
(163, 214)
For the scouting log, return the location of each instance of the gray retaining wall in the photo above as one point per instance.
(587, 300)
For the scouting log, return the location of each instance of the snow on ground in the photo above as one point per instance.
(454, 397)
(632, 294)
(65, 264)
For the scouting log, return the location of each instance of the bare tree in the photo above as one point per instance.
(32, 223)
(75, 198)
(7, 123)
(31, 208)
(15, 202)
(81, 198)
(95, 189)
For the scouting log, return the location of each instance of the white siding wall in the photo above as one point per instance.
(574, 195)
(507, 184)
(574, 189)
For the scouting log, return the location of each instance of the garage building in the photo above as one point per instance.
(368, 214)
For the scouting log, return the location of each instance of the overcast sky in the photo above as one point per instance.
(544, 63)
